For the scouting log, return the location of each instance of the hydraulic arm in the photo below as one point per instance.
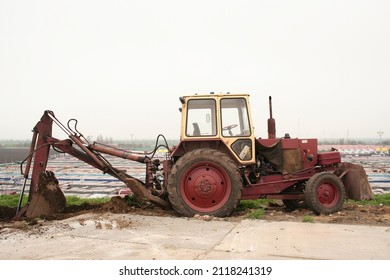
(77, 146)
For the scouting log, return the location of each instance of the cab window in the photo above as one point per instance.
(201, 118)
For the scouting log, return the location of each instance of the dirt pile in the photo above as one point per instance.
(7, 213)
(117, 205)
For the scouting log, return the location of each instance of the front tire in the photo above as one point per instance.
(206, 182)
(325, 193)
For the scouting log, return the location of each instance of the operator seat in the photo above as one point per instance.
(196, 129)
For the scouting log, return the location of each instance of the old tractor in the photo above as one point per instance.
(217, 163)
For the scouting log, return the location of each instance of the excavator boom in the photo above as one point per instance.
(45, 195)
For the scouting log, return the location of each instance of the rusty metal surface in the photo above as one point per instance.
(117, 152)
(355, 181)
(142, 194)
(48, 198)
(43, 129)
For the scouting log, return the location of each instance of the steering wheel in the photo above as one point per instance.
(229, 127)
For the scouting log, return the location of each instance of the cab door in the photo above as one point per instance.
(236, 129)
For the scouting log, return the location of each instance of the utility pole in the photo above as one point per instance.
(380, 140)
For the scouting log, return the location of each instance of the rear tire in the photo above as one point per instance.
(206, 182)
(325, 193)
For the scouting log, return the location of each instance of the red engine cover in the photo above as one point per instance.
(329, 158)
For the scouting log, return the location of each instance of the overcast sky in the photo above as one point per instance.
(119, 67)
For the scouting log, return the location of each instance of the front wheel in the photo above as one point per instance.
(325, 193)
(206, 182)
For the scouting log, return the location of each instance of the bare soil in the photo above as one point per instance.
(354, 214)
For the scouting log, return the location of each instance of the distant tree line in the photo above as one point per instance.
(149, 143)
(343, 141)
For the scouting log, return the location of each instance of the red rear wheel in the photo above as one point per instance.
(204, 181)
(205, 187)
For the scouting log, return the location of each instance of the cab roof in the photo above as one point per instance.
(213, 95)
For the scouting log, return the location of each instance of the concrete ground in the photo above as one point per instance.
(128, 236)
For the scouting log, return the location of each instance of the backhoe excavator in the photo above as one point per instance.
(217, 163)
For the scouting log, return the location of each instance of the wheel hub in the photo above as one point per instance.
(205, 187)
(327, 194)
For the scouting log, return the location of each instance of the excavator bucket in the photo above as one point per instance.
(142, 194)
(355, 181)
(48, 199)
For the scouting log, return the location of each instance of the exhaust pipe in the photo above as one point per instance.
(271, 122)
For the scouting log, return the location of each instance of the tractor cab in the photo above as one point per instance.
(219, 121)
